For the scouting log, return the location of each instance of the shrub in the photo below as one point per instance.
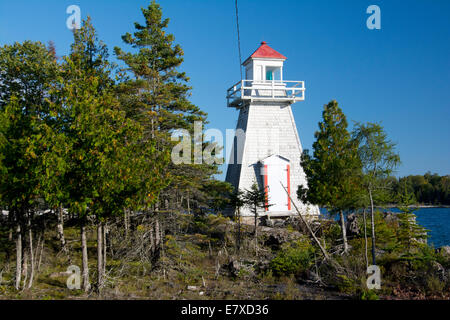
(295, 258)
(369, 295)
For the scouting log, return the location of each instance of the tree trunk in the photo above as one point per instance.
(85, 272)
(372, 217)
(41, 250)
(30, 245)
(152, 240)
(239, 228)
(256, 230)
(60, 228)
(188, 204)
(18, 255)
(365, 239)
(161, 240)
(126, 222)
(24, 263)
(157, 234)
(344, 231)
(11, 224)
(99, 255)
(105, 231)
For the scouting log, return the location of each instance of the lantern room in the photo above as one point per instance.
(265, 64)
(263, 81)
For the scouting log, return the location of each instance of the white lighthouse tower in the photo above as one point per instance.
(267, 148)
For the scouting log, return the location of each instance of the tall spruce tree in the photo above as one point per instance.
(334, 169)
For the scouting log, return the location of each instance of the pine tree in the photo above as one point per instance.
(154, 92)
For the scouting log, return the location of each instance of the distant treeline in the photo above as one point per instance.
(429, 189)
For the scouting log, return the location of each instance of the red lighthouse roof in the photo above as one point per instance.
(264, 51)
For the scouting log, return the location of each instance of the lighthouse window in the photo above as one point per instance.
(273, 73)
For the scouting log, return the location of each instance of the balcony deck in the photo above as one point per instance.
(246, 91)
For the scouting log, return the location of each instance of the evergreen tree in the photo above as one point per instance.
(334, 169)
(27, 71)
(410, 236)
(237, 201)
(109, 164)
(154, 92)
(256, 199)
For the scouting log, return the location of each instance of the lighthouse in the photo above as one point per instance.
(266, 150)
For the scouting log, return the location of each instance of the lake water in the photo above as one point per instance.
(436, 220)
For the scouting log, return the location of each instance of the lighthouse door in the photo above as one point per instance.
(277, 178)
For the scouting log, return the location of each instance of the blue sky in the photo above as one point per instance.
(399, 75)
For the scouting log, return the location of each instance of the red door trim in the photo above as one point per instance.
(266, 186)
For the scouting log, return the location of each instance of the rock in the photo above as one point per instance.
(352, 225)
(279, 223)
(239, 269)
(234, 267)
(276, 240)
(275, 237)
(192, 288)
(269, 223)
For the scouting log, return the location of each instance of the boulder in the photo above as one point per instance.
(275, 237)
(237, 268)
(267, 222)
(352, 225)
(279, 223)
(234, 267)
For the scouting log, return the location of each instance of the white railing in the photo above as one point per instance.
(265, 90)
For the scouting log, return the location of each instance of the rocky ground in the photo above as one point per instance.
(205, 258)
